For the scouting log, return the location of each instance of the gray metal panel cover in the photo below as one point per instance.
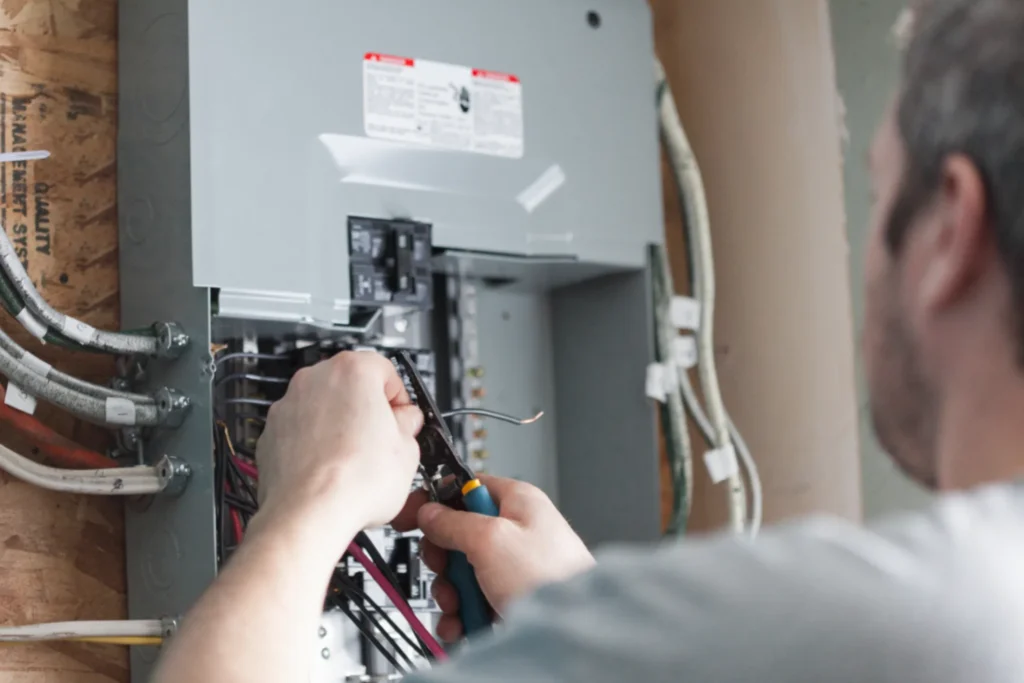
(268, 81)
(608, 458)
(170, 542)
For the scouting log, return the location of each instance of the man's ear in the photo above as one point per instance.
(960, 241)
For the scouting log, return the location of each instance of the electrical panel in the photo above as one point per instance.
(474, 181)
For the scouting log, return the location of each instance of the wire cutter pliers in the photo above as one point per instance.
(450, 480)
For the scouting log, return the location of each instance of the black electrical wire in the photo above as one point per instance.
(357, 594)
(492, 414)
(364, 542)
(220, 456)
(417, 645)
(388, 638)
(251, 377)
(242, 480)
(234, 493)
(239, 504)
(258, 402)
(342, 605)
(249, 356)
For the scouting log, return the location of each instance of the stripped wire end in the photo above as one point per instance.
(531, 420)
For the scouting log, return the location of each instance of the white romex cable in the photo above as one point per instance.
(118, 481)
(746, 458)
(691, 188)
(65, 630)
(677, 437)
(122, 343)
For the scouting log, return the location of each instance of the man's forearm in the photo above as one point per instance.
(258, 622)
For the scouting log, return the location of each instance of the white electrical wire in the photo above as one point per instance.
(694, 201)
(118, 481)
(746, 459)
(666, 334)
(37, 365)
(677, 435)
(753, 476)
(113, 342)
(109, 411)
(70, 630)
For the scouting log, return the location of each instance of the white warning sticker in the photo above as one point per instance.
(445, 106)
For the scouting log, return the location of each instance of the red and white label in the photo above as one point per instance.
(444, 106)
(495, 76)
(389, 59)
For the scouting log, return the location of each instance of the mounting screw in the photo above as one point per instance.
(594, 19)
(172, 407)
(325, 653)
(131, 369)
(129, 438)
(322, 632)
(175, 473)
(207, 367)
(171, 340)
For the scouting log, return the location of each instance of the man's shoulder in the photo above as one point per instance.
(931, 596)
(961, 540)
(919, 597)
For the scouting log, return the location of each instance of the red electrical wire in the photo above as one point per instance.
(245, 467)
(58, 449)
(236, 519)
(236, 522)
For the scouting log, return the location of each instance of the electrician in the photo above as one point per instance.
(934, 596)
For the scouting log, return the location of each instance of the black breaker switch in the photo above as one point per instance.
(390, 261)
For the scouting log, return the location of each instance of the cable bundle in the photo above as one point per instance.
(39, 380)
(23, 301)
(716, 426)
(235, 491)
(55, 448)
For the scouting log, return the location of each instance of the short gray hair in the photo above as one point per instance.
(963, 93)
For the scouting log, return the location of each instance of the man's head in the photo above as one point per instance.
(945, 264)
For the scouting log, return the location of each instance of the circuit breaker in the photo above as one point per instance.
(389, 262)
(472, 180)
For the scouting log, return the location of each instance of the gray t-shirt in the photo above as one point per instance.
(932, 597)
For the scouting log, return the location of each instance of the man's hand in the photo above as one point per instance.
(338, 454)
(341, 442)
(529, 545)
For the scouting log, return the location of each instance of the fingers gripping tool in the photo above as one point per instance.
(450, 480)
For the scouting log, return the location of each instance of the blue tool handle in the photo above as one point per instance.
(474, 612)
